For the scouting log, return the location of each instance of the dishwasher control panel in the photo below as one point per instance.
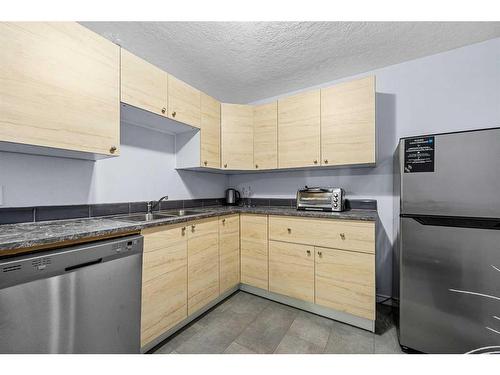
(25, 268)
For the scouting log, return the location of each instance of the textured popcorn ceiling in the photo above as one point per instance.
(241, 62)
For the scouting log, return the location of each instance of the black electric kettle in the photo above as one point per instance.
(232, 197)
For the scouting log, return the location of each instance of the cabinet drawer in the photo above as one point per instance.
(160, 237)
(340, 234)
(345, 281)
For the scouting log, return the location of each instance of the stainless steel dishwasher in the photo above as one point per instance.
(79, 299)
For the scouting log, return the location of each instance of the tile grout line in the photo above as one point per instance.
(288, 329)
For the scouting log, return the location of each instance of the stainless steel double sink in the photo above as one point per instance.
(158, 215)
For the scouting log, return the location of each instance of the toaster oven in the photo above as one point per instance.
(321, 198)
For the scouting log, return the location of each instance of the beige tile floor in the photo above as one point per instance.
(245, 323)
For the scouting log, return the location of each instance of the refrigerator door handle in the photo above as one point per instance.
(457, 221)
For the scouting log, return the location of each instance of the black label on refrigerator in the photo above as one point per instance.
(419, 155)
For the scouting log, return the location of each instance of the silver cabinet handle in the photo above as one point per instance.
(308, 253)
(320, 254)
(163, 110)
(289, 230)
(342, 235)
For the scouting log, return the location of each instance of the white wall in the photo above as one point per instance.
(145, 170)
(455, 90)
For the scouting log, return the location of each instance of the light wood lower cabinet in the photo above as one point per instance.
(187, 266)
(164, 280)
(254, 250)
(229, 252)
(345, 281)
(265, 137)
(59, 88)
(203, 263)
(291, 270)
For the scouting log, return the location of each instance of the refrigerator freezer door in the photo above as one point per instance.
(450, 288)
(465, 181)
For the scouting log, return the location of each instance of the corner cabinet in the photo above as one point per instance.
(237, 136)
(299, 130)
(59, 90)
(265, 137)
(348, 123)
(210, 132)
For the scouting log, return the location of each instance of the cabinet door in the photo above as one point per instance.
(254, 251)
(203, 263)
(229, 252)
(164, 280)
(184, 102)
(237, 136)
(348, 123)
(291, 270)
(143, 85)
(345, 281)
(265, 138)
(59, 87)
(299, 130)
(210, 132)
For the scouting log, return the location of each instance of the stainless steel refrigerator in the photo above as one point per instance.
(448, 241)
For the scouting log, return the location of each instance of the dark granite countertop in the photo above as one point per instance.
(42, 234)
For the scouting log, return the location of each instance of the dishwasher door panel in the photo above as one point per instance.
(450, 287)
(94, 309)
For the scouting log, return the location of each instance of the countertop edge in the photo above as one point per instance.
(122, 227)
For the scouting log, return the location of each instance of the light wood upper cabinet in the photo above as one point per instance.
(210, 131)
(164, 280)
(143, 85)
(291, 270)
(184, 102)
(59, 87)
(229, 252)
(348, 123)
(237, 136)
(265, 138)
(345, 281)
(254, 250)
(203, 263)
(299, 130)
